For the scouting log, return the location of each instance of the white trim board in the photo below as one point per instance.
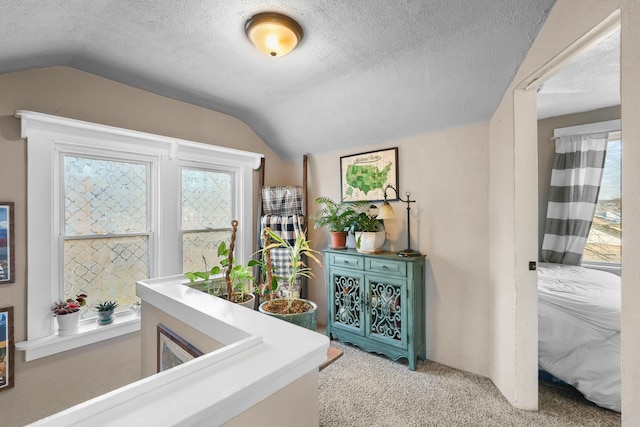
(608, 126)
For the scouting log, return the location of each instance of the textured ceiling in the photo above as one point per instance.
(589, 82)
(366, 71)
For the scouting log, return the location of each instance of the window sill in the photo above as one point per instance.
(90, 332)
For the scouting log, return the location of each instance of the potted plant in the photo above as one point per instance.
(337, 217)
(295, 310)
(369, 231)
(238, 279)
(67, 313)
(268, 288)
(105, 311)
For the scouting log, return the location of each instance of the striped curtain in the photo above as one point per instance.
(575, 184)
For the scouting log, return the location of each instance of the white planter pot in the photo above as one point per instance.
(250, 304)
(68, 323)
(370, 242)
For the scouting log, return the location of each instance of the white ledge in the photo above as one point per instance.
(261, 355)
(89, 332)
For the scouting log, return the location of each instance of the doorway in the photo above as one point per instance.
(580, 86)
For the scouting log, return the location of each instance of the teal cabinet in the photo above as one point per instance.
(376, 302)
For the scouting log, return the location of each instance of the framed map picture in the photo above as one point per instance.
(7, 245)
(364, 176)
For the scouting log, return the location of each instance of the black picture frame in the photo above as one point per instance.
(7, 243)
(7, 349)
(173, 350)
(356, 186)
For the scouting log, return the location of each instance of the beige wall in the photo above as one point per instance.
(567, 22)
(150, 320)
(447, 174)
(546, 151)
(75, 94)
(630, 90)
(301, 396)
(301, 402)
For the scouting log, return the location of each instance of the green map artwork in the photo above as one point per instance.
(364, 176)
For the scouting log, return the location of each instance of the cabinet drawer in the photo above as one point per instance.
(343, 260)
(387, 266)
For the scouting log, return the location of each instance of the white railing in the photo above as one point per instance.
(261, 355)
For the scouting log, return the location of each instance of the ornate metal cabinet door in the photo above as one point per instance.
(347, 302)
(386, 310)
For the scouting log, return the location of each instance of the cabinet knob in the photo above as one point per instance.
(384, 267)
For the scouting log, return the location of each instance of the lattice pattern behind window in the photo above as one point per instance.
(207, 211)
(104, 201)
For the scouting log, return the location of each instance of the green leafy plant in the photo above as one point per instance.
(105, 306)
(267, 289)
(365, 220)
(296, 254)
(333, 215)
(241, 280)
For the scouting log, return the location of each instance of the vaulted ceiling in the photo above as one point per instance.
(366, 71)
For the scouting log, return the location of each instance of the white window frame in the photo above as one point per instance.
(47, 137)
(58, 215)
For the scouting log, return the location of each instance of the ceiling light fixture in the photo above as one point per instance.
(273, 34)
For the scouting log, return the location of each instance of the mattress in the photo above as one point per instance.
(579, 330)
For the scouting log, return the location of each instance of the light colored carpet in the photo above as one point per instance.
(364, 389)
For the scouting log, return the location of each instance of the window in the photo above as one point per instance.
(207, 201)
(106, 231)
(604, 244)
(106, 208)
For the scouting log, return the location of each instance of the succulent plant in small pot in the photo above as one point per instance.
(105, 311)
(67, 313)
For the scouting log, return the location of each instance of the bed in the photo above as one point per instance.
(579, 330)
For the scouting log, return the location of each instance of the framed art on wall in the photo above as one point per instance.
(7, 244)
(173, 350)
(364, 176)
(6, 348)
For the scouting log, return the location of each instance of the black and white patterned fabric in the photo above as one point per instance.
(284, 226)
(280, 261)
(282, 213)
(282, 201)
(573, 196)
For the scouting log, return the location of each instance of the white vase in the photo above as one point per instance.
(370, 242)
(68, 323)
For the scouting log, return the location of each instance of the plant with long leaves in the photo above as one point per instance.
(296, 267)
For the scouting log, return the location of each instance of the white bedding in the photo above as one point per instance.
(579, 330)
